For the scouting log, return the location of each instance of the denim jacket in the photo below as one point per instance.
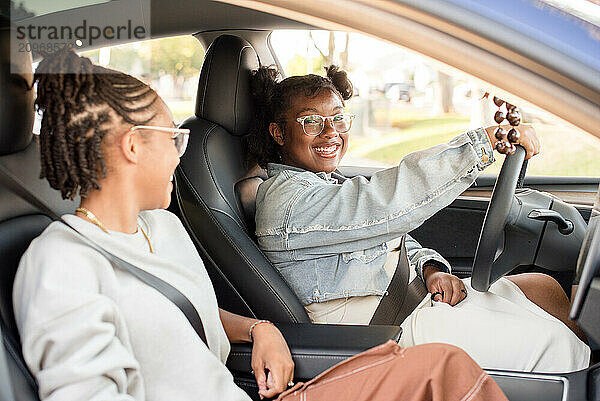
(327, 234)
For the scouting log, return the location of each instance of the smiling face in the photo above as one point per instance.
(313, 153)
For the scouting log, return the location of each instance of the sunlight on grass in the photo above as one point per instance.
(412, 131)
(393, 153)
(414, 128)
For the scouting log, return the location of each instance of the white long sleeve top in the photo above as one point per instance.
(91, 331)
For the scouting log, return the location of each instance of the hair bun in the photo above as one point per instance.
(263, 83)
(339, 79)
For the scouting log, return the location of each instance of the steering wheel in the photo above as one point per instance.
(491, 239)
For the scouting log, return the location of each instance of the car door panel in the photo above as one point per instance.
(454, 232)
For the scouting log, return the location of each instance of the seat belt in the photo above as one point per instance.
(172, 293)
(6, 391)
(401, 298)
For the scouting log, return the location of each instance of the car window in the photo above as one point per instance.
(405, 102)
(170, 65)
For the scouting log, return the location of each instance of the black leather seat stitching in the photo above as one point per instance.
(233, 244)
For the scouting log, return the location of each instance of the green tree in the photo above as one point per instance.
(180, 57)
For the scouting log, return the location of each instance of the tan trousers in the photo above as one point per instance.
(388, 372)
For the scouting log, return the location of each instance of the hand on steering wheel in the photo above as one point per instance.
(528, 139)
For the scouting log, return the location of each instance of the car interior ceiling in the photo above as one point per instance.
(214, 197)
(214, 16)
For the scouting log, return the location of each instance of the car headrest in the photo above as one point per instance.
(224, 87)
(16, 97)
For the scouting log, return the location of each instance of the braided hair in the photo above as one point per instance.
(272, 99)
(78, 110)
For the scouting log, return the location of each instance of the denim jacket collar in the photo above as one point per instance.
(275, 168)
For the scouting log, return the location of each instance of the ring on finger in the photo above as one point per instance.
(291, 383)
(437, 293)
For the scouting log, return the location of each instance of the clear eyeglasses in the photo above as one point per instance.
(180, 136)
(314, 125)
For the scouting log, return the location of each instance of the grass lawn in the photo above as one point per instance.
(565, 152)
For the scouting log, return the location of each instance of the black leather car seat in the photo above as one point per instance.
(19, 221)
(215, 191)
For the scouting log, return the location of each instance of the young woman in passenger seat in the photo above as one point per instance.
(331, 237)
(91, 331)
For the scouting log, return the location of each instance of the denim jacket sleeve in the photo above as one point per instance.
(358, 213)
(419, 256)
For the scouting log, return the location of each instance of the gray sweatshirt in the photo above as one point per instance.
(93, 332)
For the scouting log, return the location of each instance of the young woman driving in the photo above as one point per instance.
(91, 331)
(331, 237)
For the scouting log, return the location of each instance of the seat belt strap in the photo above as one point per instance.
(401, 298)
(172, 293)
(6, 391)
